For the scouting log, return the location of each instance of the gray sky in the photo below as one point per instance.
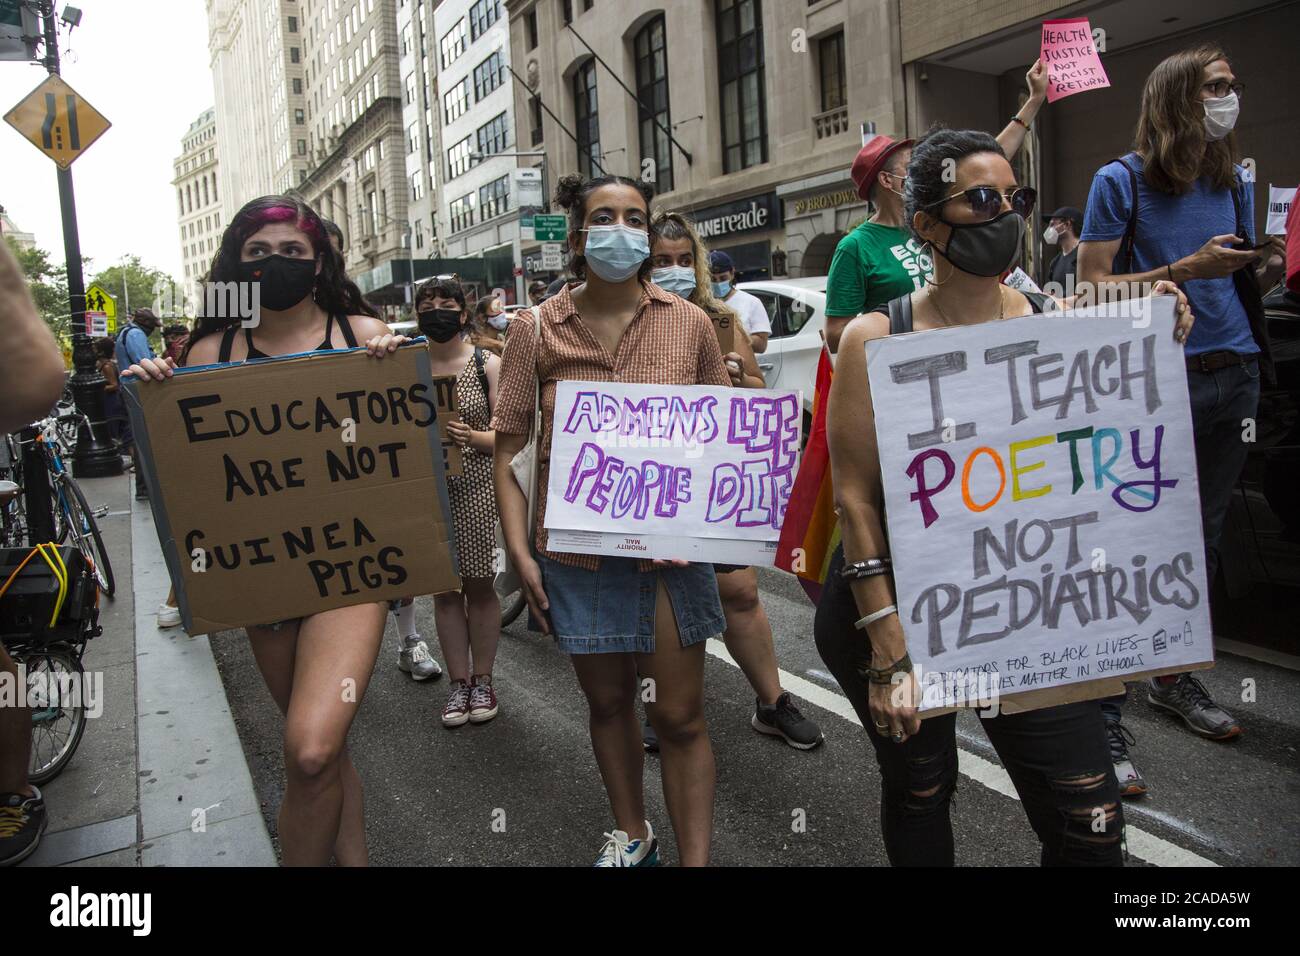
(144, 65)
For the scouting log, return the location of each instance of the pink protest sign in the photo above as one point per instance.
(1070, 56)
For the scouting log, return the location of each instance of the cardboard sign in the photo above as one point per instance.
(445, 400)
(1041, 495)
(1071, 59)
(1280, 199)
(287, 486)
(724, 327)
(671, 471)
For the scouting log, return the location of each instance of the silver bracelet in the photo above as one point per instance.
(863, 623)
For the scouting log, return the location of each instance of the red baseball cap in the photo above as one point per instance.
(871, 160)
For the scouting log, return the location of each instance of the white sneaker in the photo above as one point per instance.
(620, 851)
(168, 616)
(415, 659)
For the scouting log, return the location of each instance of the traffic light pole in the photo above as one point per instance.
(95, 455)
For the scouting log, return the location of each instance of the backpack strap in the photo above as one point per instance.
(1126, 244)
(227, 344)
(1039, 302)
(480, 366)
(900, 314)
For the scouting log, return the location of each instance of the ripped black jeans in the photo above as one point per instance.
(1057, 758)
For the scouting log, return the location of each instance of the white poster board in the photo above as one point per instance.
(1280, 199)
(1042, 503)
(671, 471)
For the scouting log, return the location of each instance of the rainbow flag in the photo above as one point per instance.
(811, 532)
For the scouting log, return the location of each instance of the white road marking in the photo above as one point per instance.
(1143, 845)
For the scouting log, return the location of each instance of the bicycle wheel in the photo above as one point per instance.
(55, 691)
(85, 534)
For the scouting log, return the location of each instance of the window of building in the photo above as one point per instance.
(566, 11)
(412, 138)
(482, 15)
(492, 136)
(494, 198)
(452, 44)
(535, 120)
(530, 27)
(293, 24)
(407, 43)
(293, 54)
(830, 52)
(458, 158)
(652, 90)
(462, 213)
(302, 147)
(487, 75)
(298, 117)
(417, 187)
(587, 114)
(455, 101)
(297, 86)
(741, 78)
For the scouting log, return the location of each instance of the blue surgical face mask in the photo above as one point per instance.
(617, 252)
(676, 279)
(722, 289)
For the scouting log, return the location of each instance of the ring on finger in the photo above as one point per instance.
(897, 736)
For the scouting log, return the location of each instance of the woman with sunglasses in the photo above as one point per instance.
(307, 304)
(1057, 757)
(617, 617)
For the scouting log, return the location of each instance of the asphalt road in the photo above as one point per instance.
(432, 795)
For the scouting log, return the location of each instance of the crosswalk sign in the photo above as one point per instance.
(57, 121)
(98, 301)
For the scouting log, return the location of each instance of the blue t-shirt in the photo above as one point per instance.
(1169, 228)
(132, 346)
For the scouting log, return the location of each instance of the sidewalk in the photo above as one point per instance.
(159, 778)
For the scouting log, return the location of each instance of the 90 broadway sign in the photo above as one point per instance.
(297, 484)
(671, 471)
(1040, 487)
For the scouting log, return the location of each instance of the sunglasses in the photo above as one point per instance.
(986, 202)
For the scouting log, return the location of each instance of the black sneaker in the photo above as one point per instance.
(1188, 698)
(22, 821)
(1131, 783)
(783, 719)
(649, 739)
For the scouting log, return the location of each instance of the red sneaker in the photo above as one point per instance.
(456, 710)
(482, 699)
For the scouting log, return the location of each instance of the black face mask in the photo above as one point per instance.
(441, 325)
(986, 248)
(284, 281)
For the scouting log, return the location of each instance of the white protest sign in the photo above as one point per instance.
(671, 471)
(1280, 199)
(1041, 495)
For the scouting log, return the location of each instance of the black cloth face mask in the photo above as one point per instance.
(985, 248)
(441, 325)
(284, 281)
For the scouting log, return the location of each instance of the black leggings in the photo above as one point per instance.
(1057, 758)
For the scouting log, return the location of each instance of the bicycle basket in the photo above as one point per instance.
(40, 606)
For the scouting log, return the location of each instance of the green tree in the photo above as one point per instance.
(146, 287)
(48, 285)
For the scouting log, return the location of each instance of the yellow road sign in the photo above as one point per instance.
(57, 121)
(98, 299)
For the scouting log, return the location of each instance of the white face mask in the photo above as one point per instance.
(498, 321)
(1221, 116)
(1051, 236)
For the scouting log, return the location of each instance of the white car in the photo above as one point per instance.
(797, 308)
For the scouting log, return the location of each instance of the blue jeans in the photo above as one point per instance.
(1220, 400)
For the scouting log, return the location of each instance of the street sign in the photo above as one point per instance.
(57, 121)
(550, 228)
(96, 324)
(552, 256)
(19, 30)
(98, 300)
(528, 187)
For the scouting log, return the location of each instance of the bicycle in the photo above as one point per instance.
(66, 505)
(48, 654)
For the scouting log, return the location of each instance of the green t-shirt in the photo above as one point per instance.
(872, 265)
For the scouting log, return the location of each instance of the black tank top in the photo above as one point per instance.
(228, 339)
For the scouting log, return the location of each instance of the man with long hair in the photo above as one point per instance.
(1180, 207)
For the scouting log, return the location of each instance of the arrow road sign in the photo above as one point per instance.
(57, 121)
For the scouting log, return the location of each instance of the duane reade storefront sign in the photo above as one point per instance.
(751, 214)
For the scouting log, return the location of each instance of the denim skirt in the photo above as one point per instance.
(612, 610)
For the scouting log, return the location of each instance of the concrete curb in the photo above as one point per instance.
(197, 803)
